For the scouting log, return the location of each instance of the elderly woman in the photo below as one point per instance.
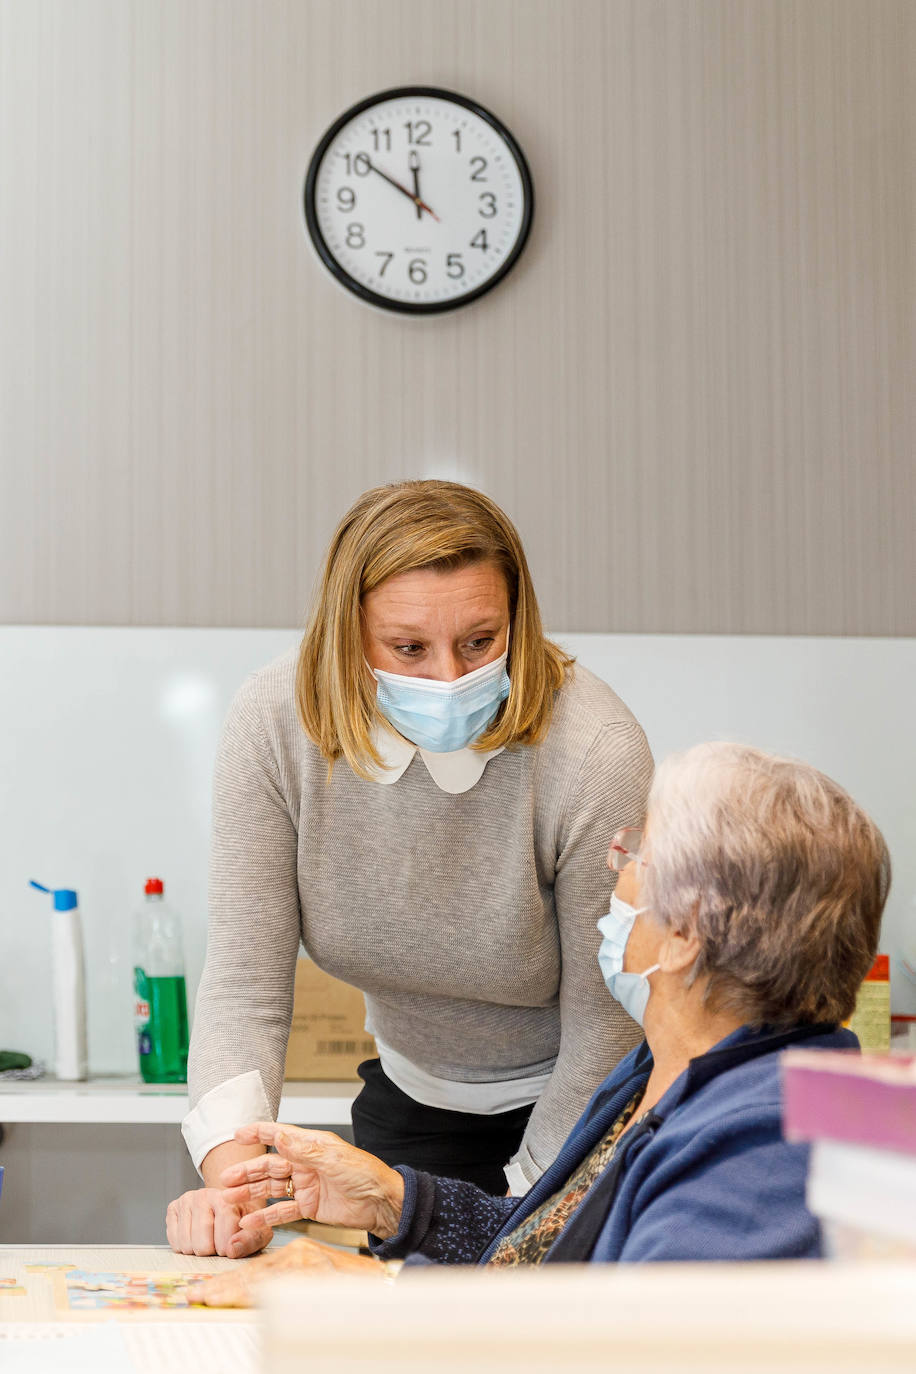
(418, 795)
(746, 917)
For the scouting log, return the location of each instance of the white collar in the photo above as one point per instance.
(455, 772)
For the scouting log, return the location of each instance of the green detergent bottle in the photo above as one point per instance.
(160, 1000)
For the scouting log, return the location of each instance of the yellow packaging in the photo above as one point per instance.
(871, 1019)
(327, 1039)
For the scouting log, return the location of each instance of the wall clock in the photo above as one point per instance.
(418, 200)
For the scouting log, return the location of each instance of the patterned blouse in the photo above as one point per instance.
(530, 1241)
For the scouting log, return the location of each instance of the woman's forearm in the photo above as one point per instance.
(245, 998)
(221, 1156)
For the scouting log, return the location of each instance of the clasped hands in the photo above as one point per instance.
(332, 1182)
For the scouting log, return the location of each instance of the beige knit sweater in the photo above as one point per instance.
(467, 920)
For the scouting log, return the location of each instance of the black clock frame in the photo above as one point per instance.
(342, 275)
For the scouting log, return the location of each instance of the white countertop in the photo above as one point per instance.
(128, 1099)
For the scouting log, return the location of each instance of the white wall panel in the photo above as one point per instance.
(108, 740)
(694, 394)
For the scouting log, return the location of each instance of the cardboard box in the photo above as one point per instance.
(327, 1039)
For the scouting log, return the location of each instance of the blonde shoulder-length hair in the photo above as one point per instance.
(396, 529)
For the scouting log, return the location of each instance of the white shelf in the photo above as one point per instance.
(129, 1101)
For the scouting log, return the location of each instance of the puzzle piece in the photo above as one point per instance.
(117, 1291)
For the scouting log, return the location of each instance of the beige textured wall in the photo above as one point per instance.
(694, 394)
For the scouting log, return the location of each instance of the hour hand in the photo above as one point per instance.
(413, 163)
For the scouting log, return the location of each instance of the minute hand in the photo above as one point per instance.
(421, 204)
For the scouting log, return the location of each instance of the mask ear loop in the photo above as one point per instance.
(628, 918)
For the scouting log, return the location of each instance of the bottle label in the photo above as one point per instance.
(161, 1025)
(141, 1010)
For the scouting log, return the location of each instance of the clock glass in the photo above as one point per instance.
(418, 200)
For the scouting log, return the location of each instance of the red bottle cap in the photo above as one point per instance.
(153, 887)
(880, 971)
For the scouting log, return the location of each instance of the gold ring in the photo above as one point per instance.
(290, 1190)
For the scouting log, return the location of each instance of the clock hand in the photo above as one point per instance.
(420, 204)
(413, 162)
(391, 181)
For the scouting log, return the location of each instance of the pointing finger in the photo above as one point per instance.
(250, 1192)
(253, 1170)
(276, 1215)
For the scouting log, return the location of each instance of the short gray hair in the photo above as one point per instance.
(778, 872)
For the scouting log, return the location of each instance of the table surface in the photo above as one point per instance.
(37, 1303)
(35, 1335)
(128, 1100)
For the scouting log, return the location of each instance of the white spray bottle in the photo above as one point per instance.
(69, 984)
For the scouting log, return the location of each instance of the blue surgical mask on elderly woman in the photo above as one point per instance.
(631, 989)
(443, 716)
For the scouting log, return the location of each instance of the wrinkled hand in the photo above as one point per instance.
(238, 1288)
(205, 1222)
(333, 1181)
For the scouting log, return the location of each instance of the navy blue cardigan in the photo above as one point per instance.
(705, 1175)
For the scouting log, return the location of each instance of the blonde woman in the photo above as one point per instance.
(419, 796)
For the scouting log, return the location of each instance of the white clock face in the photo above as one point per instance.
(417, 201)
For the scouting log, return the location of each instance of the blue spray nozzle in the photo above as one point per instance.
(64, 897)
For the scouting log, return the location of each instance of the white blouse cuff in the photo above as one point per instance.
(521, 1172)
(213, 1121)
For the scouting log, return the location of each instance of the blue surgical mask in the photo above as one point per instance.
(443, 716)
(631, 989)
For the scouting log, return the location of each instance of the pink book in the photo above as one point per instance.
(865, 1099)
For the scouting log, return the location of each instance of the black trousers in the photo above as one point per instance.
(391, 1125)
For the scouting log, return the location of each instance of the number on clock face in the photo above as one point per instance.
(418, 200)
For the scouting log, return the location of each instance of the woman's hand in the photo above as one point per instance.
(204, 1222)
(332, 1181)
(237, 1288)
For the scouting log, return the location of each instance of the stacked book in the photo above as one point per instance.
(858, 1111)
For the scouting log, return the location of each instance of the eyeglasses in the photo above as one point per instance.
(624, 848)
